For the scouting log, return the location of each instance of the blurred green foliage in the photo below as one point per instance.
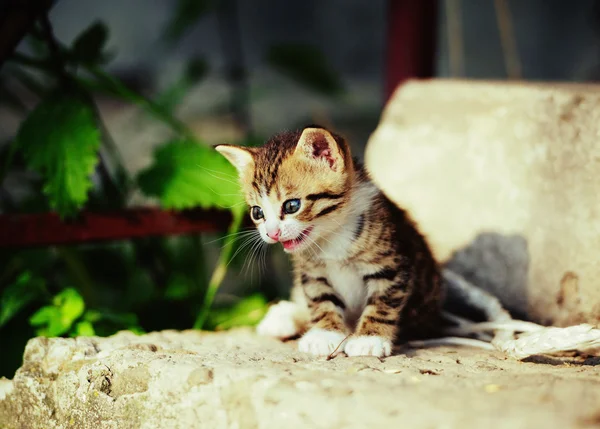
(25, 289)
(186, 175)
(60, 140)
(142, 284)
(58, 317)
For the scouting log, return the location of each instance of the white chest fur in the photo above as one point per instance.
(348, 284)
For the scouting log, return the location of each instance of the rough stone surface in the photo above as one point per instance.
(504, 180)
(239, 380)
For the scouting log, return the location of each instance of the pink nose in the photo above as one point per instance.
(274, 235)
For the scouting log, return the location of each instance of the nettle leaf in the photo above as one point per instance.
(60, 140)
(58, 318)
(19, 294)
(88, 46)
(187, 174)
(307, 65)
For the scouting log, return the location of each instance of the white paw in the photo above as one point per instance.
(283, 320)
(368, 346)
(321, 342)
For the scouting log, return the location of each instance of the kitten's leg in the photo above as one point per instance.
(377, 326)
(328, 329)
(286, 319)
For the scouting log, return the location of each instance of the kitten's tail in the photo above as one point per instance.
(517, 339)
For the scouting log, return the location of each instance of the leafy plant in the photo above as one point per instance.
(67, 314)
(57, 318)
(23, 291)
(60, 140)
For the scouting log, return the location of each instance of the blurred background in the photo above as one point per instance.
(116, 213)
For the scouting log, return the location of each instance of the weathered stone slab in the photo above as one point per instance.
(239, 380)
(504, 179)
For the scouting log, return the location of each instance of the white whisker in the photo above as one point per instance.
(232, 206)
(225, 180)
(248, 262)
(217, 172)
(236, 235)
(245, 244)
(238, 194)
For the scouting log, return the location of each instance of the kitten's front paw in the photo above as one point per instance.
(321, 342)
(368, 345)
(283, 320)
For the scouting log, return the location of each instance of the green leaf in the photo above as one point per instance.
(247, 312)
(70, 303)
(88, 46)
(83, 329)
(57, 319)
(187, 14)
(49, 320)
(188, 174)
(16, 296)
(307, 65)
(92, 316)
(60, 140)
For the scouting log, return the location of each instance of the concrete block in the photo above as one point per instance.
(504, 180)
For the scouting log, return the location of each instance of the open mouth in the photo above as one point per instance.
(296, 242)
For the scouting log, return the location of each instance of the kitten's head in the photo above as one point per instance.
(296, 185)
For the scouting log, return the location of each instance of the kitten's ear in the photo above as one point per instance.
(242, 158)
(319, 144)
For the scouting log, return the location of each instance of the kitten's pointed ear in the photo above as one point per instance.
(242, 158)
(319, 144)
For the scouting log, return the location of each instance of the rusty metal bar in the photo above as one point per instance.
(411, 41)
(31, 230)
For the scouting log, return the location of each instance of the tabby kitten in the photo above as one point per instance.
(360, 265)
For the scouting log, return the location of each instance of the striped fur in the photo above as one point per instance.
(364, 268)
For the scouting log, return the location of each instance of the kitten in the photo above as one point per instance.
(360, 265)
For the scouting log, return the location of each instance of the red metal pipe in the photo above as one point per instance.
(30, 230)
(411, 41)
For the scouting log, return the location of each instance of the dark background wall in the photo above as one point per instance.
(557, 39)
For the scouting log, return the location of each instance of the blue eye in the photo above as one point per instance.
(291, 206)
(257, 213)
